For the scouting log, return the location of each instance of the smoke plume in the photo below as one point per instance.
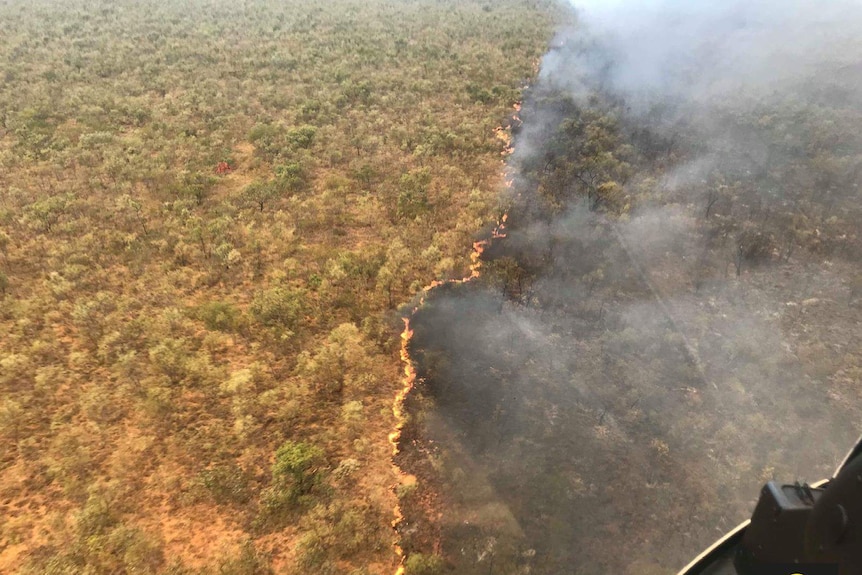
(673, 317)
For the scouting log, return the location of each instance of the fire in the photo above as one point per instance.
(505, 134)
(408, 383)
(517, 115)
(410, 373)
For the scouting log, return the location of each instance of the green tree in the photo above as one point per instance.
(298, 475)
(279, 307)
(196, 186)
(341, 361)
(299, 466)
(301, 137)
(46, 213)
(413, 193)
(259, 194)
(420, 564)
(268, 140)
(290, 176)
(218, 315)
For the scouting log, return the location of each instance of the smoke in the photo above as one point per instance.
(660, 50)
(672, 317)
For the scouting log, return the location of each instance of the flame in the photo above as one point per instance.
(407, 385)
(517, 115)
(505, 134)
(410, 373)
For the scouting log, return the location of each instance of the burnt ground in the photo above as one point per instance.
(622, 423)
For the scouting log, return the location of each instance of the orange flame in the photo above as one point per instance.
(410, 373)
(408, 383)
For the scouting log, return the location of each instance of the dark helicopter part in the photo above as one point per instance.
(807, 529)
(776, 534)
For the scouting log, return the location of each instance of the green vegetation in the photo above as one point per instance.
(296, 481)
(197, 365)
(418, 564)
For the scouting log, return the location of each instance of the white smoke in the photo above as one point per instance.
(697, 49)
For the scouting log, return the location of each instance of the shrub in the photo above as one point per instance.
(218, 316)
(297, 476)
(278, 307)
(302, 137)
(413, 193)
(298, 465)
(249, 562)
(268, 139)
(226, 484)
(312, 552)
(96, 518)
(755, 246)
(419, 564)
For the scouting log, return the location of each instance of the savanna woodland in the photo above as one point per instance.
(210, 212)
(215, 216)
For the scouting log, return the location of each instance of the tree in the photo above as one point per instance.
(127, 202)
(298, 465)
(260, 193)
(341, 361)
(218, 315)
(279, 307)
(301, 137)
(420, 564)
(413, 193)
(228, 255)
(46, 213)
(584, 159)
(268, 140)
(290, 176)
(298, 473)
(752, 246)
(196, 186)
(390, 276)
(12, 420)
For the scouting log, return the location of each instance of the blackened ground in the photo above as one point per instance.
(612, 394)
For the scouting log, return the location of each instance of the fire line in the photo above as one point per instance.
(410, 373)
